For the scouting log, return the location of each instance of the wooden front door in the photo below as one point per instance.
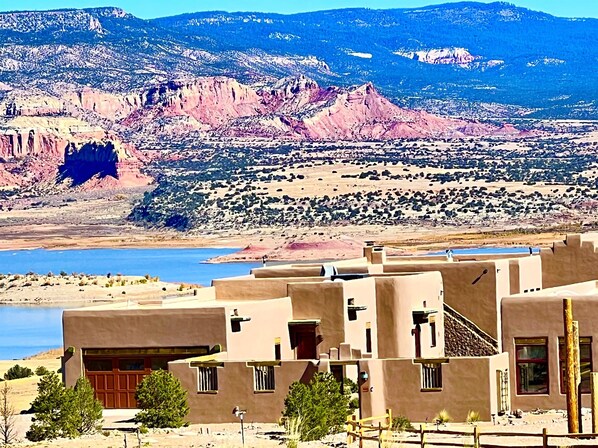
(305, 342)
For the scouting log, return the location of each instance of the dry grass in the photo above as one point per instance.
(24, 390)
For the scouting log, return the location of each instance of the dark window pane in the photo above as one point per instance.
(531, 352)
(533, 378)
(131, 364)
(98, 365)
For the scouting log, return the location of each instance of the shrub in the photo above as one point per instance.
(62, 412)
(442, 417)
(292, 429)
(86, 411)
(41, 371)
(321, 405)
(162, 400)
(473, 417)
(350, 386)
(48, 408)
(17, 371)
(401, 423)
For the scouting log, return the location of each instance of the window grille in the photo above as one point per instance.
(432, 376)
(505, 401)
(264, 378)
(208, 379)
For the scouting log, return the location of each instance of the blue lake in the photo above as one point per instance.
(25, 331)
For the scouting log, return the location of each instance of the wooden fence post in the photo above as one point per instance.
(544, 438)
(351, 429)
(360, 435)
(476, 437)
(348, 427)
(379, 434)
(422, 436)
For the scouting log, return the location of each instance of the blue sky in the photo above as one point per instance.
(160, 8)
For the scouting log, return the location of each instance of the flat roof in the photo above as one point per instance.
(589, 288)
(187, 303)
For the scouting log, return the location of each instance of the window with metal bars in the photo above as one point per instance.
(207, 379)
(263, 378)
(431, 376)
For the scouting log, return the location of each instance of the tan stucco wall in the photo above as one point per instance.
(269, 320)
(466, 385)
(364, 293)
(138, 328)
(571, 261)
(525, 274)
(467, 289)
(236, 388)
(328, 301)
(324, 301)
(250, 288)
(541, 315)
(397, 297)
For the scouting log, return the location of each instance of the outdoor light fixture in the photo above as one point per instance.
(364, 376)
(240, 414)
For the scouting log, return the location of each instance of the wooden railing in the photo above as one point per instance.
(379, 429)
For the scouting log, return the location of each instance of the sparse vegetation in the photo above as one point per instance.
(473, 417)
(7, 416)
(443, 417)
(400, 182)
(400, 423)
(293, 430)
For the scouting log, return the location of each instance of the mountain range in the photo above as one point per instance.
(82, 89)
(467, 58)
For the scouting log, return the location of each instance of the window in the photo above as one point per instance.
(432, 333)
(531, 357)
(431, 376)
(264, 378)
(585, 359)
(277, 354)
(98, 365)
(368, 338)
(136, 365)
(207, 379)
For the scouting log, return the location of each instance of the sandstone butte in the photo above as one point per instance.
(66, 130)
(87, 159)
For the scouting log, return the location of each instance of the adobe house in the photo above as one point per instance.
(533, 338)
(116, 345)
(245, 340)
